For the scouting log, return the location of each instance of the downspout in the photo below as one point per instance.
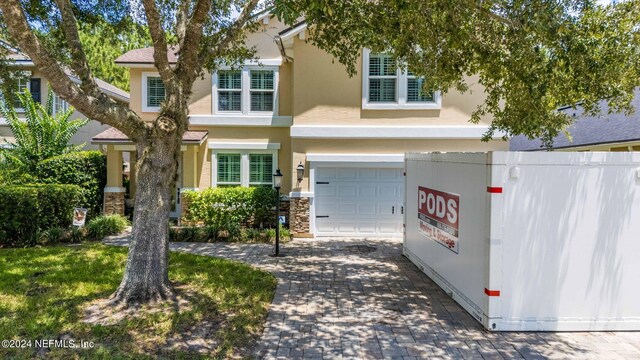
(283, 52)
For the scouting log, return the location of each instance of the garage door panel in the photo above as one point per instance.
(347, 190)
(366, 227)
(358, 201)
(347, 209)
(367, 174)
(367, 190)
(347, 174)
(390, 174)
(367, 210)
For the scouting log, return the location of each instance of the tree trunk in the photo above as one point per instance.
(146, 276)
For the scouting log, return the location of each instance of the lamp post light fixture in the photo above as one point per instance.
(277, 183)
(300, 172)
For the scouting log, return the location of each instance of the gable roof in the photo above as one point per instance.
(603, 128)
(18, 58)
(145, 56)
(115, 136)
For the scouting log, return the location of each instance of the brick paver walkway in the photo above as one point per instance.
(361, 299)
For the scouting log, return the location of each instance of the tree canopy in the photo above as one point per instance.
(531, 56)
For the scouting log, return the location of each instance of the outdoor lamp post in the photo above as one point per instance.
(277, 183)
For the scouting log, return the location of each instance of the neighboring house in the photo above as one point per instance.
(38, 86)
(297, 108)
(604, 132)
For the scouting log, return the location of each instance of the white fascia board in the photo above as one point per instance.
(356, 158)
(241, 120)
(243, 146)
(293, 32)
(138, 65)
(389, 132)
(20, 63)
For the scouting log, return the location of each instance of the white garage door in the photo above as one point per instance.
(351, 201)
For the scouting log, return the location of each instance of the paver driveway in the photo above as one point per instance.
(355, 298)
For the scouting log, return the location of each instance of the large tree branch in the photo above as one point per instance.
(190, 43)
(103, 108)
(234, 30)
(159, 40)
(79, 62)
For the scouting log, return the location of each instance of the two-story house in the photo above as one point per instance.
(297, 109)
(36, 83)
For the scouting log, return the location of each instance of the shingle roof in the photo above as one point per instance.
(590, 130)
(22, 59)
(145, 56)
(115, 136)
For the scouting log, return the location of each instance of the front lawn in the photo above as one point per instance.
(45, 291)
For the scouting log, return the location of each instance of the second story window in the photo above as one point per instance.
(153, 92)
(230, 90)
(262, 90)
(251, 90)
(386, 87)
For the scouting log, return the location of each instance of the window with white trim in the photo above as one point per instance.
(59, 105)
(230, 90)
(247, 168)
(251, 90)
(386, 87)
(229, 170)
(153, 92)
(262, 90)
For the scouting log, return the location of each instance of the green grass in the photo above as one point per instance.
(43, 292)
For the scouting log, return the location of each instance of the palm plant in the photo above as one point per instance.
(40, 135)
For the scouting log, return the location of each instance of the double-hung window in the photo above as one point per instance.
(59, 105)
(230, 90)
(386, 87)
(251, 90)
(262, 89)
(22, 85)
(247, 168)
(153, 92)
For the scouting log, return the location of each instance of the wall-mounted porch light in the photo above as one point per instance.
(300, 172)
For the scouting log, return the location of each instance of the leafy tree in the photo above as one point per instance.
(104, 43)
(41, 135)
(530, 56)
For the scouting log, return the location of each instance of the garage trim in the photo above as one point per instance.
(345, 160)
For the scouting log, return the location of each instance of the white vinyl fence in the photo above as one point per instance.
(530, 241)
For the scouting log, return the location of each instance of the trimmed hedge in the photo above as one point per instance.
(26, 210)
(229, 208)
(87, 169)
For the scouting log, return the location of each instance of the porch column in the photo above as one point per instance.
(189, 176)
(133, 181)
(114, 191)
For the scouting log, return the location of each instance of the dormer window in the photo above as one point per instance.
(385, 87)
(251, 90)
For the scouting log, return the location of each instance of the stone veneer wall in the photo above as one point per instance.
(113, 203)
(184, 207)
(299, 216)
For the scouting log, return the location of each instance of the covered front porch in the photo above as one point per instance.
(120, 189)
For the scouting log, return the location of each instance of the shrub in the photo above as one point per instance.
(226, 207)
(106, 225)
(27, 210)
(52, 236)
(87, 169)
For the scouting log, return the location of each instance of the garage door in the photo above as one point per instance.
(358, 201)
